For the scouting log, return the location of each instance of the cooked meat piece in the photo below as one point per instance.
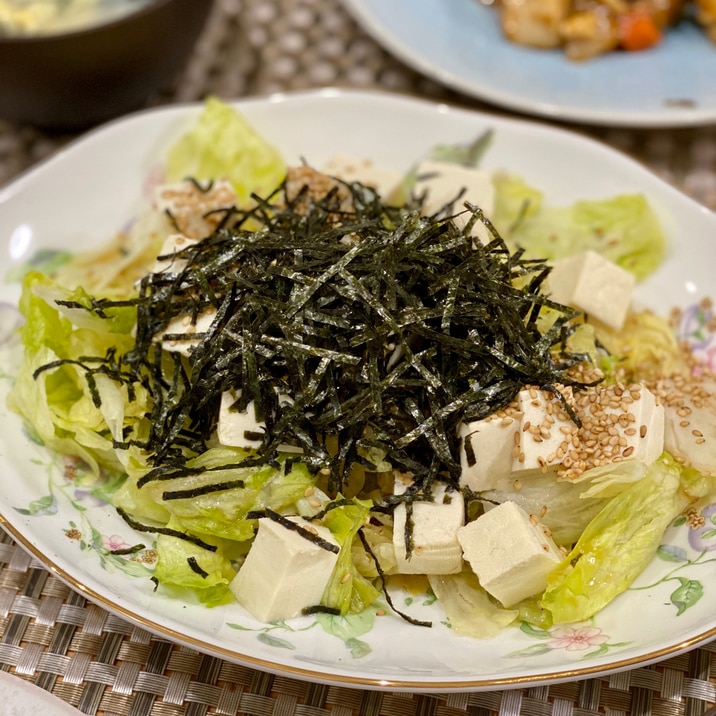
(534, 22)
(589, 33)
(706, 15)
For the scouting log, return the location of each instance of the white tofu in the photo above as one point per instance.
(238, 428)
(544, 426)
(645, 442)
(196, 212)
(351, 169)
(593, 284)
(241, 428)
(436, 549)
(690, 423)
(171, 246)
(446, 184)
(486, 450)
(285, 572)
(511, 553)
(183, 325)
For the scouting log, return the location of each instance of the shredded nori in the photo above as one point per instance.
(303, 531)
(194, 566)
(321, 609)
(381, 577)
(134, 524)
(128, 550)
(375, 328)
(204, 490)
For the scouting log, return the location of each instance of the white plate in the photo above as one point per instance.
(459, 43)
(89, 190)
(19, 698)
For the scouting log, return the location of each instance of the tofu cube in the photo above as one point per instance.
(196, 210)
(167, 262)
(285, 571)
(349, 169)
(486, 450)
(238, 428)
(690, 434)
(452, 184)
(185, 326)
(621, 423)
(436, 549)
(511, 553)
(544, 428)
(595, 285)
(642, 435)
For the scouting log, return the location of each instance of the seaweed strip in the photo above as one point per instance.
(194, 566)
(305, 533)
(165, 531)
(381, 576)
(204, 490)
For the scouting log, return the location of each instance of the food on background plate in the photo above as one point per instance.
(587, 28)
(360, 386)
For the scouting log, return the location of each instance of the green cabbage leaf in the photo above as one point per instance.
(223, 145)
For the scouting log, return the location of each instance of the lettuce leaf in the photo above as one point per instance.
(57, 404)
(624, 228)
(619, 542)
(222, 145)
(351, 593)
(221, 514)
(568, 510)
(468, 607)
(188, 565)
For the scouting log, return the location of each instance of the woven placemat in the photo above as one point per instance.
(52, 637)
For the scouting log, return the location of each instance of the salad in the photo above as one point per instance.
(294, 372)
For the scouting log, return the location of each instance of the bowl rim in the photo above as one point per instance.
(37, 38)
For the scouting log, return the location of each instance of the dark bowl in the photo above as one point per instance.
(73, 80)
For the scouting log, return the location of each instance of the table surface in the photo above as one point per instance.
(53, 637)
